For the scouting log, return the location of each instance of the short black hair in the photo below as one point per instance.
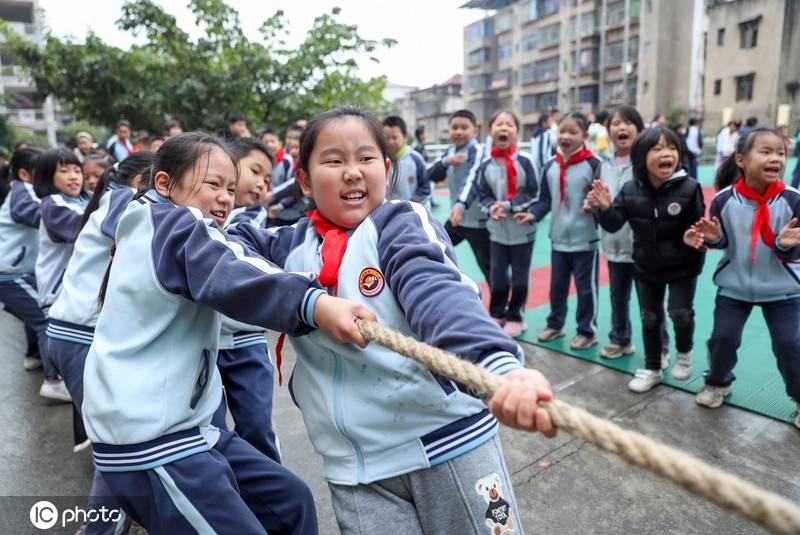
(630, 115)
(123, 122)
(393, 121)
(752, 121)
(172, 124)
(46, 166)
(543, 118)
(693, 121)
(241, 147)
(418, 131)
(648, 139)
(601, 117)
(466, 114)
(295, 128)
(236, 117)
(22, 159)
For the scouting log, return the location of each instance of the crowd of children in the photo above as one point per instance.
(146, 289)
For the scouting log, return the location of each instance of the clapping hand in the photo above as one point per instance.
(600, 196)
(497, 211)
(704, 230)
(789, 235)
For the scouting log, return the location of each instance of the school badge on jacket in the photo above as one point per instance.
(498, 515)
(370, 282)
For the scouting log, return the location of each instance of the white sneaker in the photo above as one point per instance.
(31, 363)
(712, 396)
(82, 446)
(665, 360)
(615, 351)
(55, 390)
(683, 366)
(644, 380)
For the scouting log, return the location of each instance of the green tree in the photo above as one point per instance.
(201, 82)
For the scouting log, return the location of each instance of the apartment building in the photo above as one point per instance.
(753, 62)
(431, 108)
(534, 55)
(19, 102)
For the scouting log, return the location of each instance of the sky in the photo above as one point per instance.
(429, 32)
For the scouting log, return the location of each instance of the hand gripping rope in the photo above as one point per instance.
(771, 511)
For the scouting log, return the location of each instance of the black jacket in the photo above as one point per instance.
(659, 218)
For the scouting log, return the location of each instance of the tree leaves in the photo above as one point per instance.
(201, 82)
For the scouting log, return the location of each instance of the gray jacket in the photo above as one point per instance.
(617, 246)
(461, 179)
(492, 186)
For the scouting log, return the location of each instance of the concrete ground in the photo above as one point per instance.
(563, 485)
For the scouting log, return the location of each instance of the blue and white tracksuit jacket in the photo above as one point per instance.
(617, 246)
(492, 186)
(74, 312)
(19, 230)
(462, 181)
(58, 229)
(372, 413)
(412, 179)
(235, 334)
(284, 192)
(571, 230)
(775, 276)
(151, 384)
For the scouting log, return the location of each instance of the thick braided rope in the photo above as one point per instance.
(770, 510)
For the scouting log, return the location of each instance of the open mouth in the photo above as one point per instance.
(502, 138)
(354, 195)
(219, 214)
(624, 136)
(666, 165)
(772, 169)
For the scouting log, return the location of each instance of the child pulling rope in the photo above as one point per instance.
(773, 512)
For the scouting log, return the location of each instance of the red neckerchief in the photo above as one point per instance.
(296, 166)
(511, 169)
(761, 221)
(334, 244)
(578, 157)
(280, 155)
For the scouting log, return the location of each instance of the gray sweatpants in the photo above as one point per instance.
(469, 495)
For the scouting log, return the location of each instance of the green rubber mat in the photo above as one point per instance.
(758, 386)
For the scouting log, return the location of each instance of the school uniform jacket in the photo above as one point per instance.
(58, 229)
(492, 186)
(151, 384)
(412, 180)
(19, 230)
(775, 275)
(571, 230)
(462, 181)
(235, 334)
(617, 246)
(371, 413)
(284, 191)
(75, 310)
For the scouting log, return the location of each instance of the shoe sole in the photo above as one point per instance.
(681, 376)
(639, 391)
(57, 398)
(31, 367)
(551, 338)
(579, 348)
(713, 406)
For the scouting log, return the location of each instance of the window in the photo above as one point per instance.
(588, 24)
(748, 32)
(744, 87)
(615, 52)
(502, 22)
(547, 101)
(550, 35)
(717, 87)
(480, 29)
(721, 37)
(548, 7)
(649, 6)
(615, 14)
(479, 56)
(545, 70)
(480, 82)
(530, 42)
(529, 103)
(501, 79)
(505, 51)
(588, 94)
(587, 61)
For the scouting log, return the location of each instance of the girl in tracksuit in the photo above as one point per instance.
(19, 243)
(624, 125)
(59, 183)
(74, 313)
(754, 221)
(151, 384)
(507, 187)
(243, 360)
(573, 233)
(660, 203)
(401, 447)
(286, 201)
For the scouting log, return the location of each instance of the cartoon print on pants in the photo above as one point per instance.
(498, 515)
